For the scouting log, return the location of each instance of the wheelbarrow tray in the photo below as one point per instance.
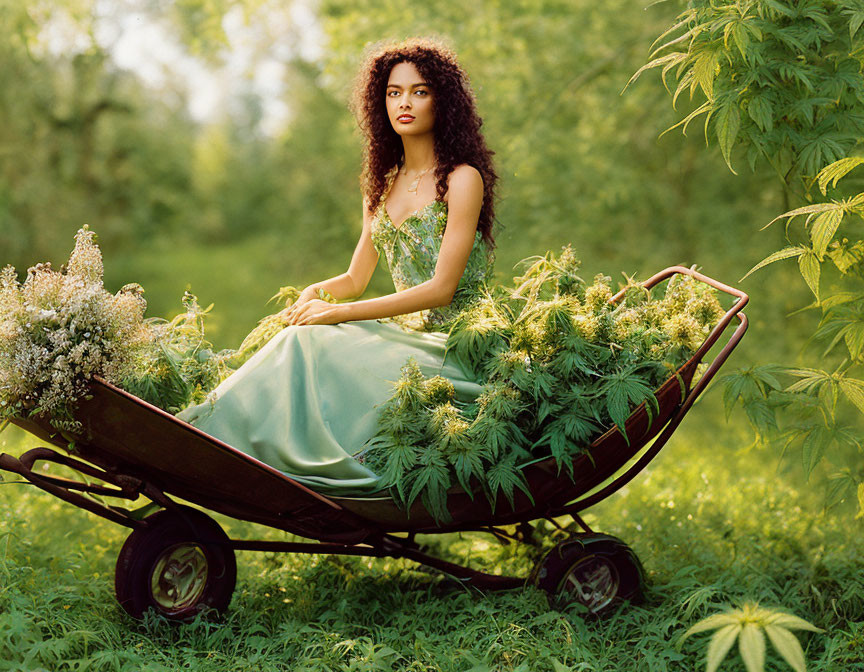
(126, 436)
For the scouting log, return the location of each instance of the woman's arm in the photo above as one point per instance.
(465, 186)
(346, 285)
(353, 282)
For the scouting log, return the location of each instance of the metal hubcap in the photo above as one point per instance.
(179, 576)
(592, 581)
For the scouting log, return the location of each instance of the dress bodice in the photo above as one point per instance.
(411, 251)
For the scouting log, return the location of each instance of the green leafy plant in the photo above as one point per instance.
(781, 79)
(178, 366)
(819, 410)
(58, 329)
(749, 625)
(560, 363)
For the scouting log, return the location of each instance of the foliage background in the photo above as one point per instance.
(233, 212)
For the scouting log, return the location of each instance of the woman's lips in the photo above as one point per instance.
(405, 118)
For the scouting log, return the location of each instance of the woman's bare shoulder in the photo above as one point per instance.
(464, 178)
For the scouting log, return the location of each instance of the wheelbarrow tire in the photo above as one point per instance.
(176, 565)
(598, 571)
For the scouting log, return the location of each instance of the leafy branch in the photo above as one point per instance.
(812, 400)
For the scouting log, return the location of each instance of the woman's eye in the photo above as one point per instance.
(423, 92)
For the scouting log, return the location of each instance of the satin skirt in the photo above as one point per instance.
(307, 400)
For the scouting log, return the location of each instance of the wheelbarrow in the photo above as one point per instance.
(178, 560)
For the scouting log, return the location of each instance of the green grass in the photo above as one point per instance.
(711, 526)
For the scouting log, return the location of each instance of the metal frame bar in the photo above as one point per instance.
(387, 546)
(131, 488)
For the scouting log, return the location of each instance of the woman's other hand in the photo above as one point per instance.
(308, 294)
(314, 311)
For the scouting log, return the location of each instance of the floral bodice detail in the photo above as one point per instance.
(411, 251)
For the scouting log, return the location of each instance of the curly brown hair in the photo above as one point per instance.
(457, 133)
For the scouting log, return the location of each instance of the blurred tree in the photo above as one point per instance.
(172, 198)
(783, 80)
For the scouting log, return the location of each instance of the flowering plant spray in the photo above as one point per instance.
(58, 329)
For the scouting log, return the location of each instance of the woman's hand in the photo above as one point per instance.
(305, 296)
(314, 311)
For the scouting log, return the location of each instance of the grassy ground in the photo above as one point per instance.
(712, 528)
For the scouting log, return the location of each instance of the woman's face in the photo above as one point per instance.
(409, 100)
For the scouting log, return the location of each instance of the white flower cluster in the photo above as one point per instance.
(59, 328)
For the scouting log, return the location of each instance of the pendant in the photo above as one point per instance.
(412, 189)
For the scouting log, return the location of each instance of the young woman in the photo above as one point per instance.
(306, 401)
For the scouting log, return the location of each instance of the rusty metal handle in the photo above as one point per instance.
(61, 487)
(129, 487)
(741, 300)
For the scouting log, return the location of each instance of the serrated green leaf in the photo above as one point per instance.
(791, 622)
(675, 57)
(813, 448)
(853, 389)
(741, 38)
(467, 464)
(853, 334)
(731, 393)
(811, 269)
(805, 210)
(504, 477)
(840, 486)
(834, 172)
(823, 229)
(762, 112)
(727, 125)
(709, 623)
(681, 20)
(751, 645)
(780, 8)
(787, 646)
(845, 256)
(809, 376)
(683, 83)
(760, 414)
(856, 18)
(704, 107)
(704, 72)
(720, 644)
(785, 253)
(765, 374)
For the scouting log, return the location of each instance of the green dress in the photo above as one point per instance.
(306, 402)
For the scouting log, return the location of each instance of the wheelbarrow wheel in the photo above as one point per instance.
(597, 571)
(176, 565)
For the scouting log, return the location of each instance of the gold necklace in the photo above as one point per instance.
(413, 186)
